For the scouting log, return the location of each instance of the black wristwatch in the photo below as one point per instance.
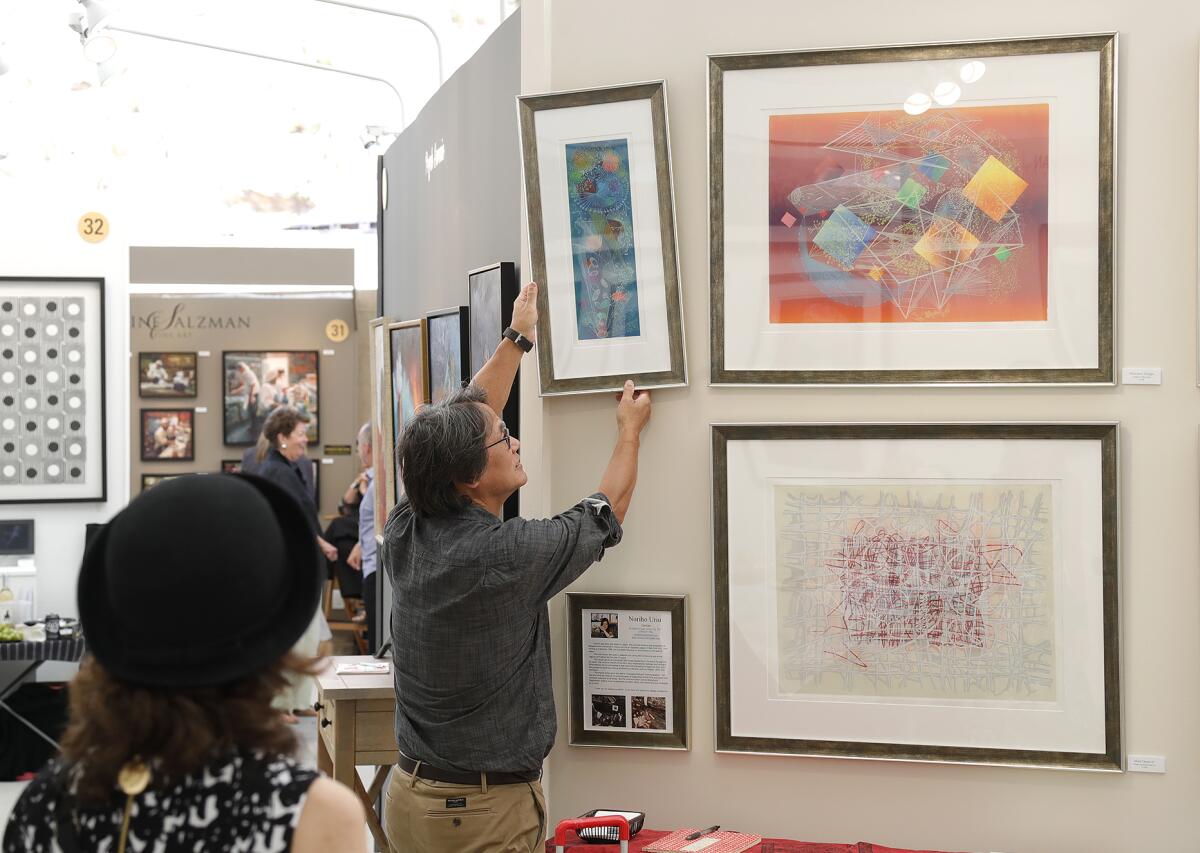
(517, 338)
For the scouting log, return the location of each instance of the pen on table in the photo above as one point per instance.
(700, 832)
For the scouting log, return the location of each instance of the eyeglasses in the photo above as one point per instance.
(506, 438)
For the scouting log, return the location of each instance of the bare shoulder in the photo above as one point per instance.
(331, 821)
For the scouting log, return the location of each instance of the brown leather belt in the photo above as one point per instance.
(463, 777)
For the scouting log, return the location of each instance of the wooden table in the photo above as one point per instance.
(357, 728)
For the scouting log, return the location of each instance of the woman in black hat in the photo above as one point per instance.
(171, 743)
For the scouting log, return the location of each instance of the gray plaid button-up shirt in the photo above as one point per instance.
(471, 630)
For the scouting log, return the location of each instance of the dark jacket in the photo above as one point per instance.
(276, 468)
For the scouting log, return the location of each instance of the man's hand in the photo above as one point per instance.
(525, 313)
(354, 561)
(633, 411)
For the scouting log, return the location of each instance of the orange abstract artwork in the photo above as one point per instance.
(883, 217)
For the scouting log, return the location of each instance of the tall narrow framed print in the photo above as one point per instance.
(918, 592)
(918, 215)
(52, 427)
(382, 448)
(408, 389)
(448, 338)
(601, 209)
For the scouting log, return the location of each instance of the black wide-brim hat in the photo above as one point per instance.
(200, 581)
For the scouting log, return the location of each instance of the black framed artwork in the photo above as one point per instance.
(168, 435)
(167, 374)
(448, 337)
(258, 382)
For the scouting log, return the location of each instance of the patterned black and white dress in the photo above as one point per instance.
(248, 803)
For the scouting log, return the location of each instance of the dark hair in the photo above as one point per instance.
(280, 422)
(443, 445)
(174, 730)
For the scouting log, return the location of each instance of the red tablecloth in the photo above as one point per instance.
(768, 845)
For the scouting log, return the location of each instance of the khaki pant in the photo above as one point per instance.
(438, 817)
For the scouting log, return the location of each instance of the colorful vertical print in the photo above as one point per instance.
(408, 383)
(936, 592)
(601, 212)
(257, 383)
(883, 217)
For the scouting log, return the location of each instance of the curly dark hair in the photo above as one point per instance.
(443, 445)
(280, 422)
(177, 730)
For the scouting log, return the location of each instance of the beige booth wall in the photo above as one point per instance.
(668, 537)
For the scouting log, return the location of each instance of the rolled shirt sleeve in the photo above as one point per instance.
(547, 555)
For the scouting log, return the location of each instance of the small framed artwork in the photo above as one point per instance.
(383, 447)
(149, 480)
(257, 383)
(449, 336)
(168, 435)
(602, 242)
(492, 291)
(231, 466)
(628, 676)
(167, 374)
(52, 427)
(408, 372)
(928, 214)
(919, 592)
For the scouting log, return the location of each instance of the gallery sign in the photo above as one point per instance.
(179, 322)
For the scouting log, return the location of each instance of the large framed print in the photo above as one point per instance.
(448, 338)
(628, 676)
(168, 435)
(408, 372)
(382, 448)
(918, 214)
(167, 374)
(52, 425)
(919, 592)
(257, 383)
(601, 209)
(491, 293)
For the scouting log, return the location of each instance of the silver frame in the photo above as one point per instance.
(655, 92)
(1103, 374)
(1107, 432)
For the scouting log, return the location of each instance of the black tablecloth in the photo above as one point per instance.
(23, 650)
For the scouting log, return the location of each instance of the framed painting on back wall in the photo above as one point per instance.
(449, 335)
(408, 372)
(918, 214)
(257, 383)
(602, 238)
(491, 291)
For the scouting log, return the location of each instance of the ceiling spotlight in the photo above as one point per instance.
(99, 48)
(917, 103)
(972, 71)
(4, 66)
(946, 93)
(96, 13)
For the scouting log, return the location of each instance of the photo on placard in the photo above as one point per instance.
(897, 591)
(604, 626)
(608, 711)
(149, 480)
(167, 435)
(167, 374)
(257, 383)
(884, 215)
(52, 427)
(449, 362)
(601, 210)
(628, 677)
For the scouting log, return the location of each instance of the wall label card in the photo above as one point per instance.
(628, 670)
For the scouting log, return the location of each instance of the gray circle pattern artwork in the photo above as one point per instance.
(43, 406)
